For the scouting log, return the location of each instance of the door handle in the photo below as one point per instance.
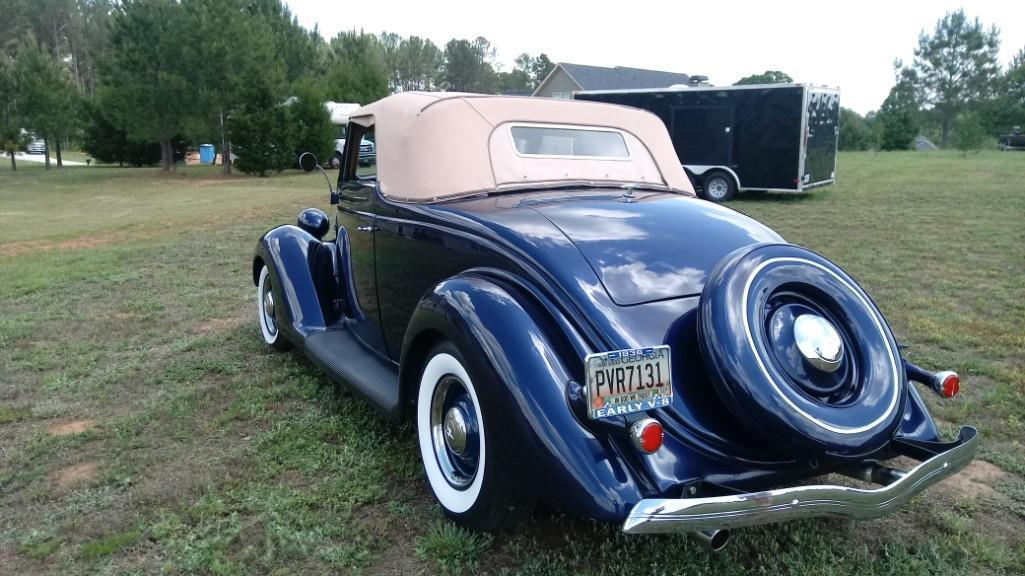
(370, 228)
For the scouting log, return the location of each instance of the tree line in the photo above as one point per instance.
(138, 81)
(954, 92)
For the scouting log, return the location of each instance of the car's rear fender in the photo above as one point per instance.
(510, 337)
(302, 272)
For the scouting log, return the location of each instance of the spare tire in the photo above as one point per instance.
(800, 354)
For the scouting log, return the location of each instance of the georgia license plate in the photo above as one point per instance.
(625, 381)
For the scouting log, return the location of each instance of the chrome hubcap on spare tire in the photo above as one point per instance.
(818, 341)
(454, 432)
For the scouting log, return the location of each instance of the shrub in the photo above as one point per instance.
(262, 131)
(968, 132)
(314, 131)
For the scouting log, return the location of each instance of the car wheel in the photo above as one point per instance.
(336, 160)
(456, 440)
(266, 312)
(718, 187)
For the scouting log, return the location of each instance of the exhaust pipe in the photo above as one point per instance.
(715, 540)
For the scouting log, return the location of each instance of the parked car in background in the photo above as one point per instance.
(339, 117)
(535, 285)
(36, 146)
(1013, 140)
(772, 137)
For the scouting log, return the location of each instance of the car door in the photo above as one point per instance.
(357, 186)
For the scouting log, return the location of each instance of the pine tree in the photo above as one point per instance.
(146, 80)
(11, 136)
(898, 116)
(262, 129)
(48, 100)
(956, 66)
(314, 131)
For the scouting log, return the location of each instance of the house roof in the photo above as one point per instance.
(620, 77)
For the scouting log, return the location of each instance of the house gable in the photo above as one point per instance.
(558, 84)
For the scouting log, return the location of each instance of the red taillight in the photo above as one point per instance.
(646, 435)
(949, 384)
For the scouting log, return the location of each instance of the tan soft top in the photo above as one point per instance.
(437, 145)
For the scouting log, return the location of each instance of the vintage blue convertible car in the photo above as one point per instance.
(534, 283)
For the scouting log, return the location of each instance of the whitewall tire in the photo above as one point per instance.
(266, 312)
(467, 479)
(452, 491)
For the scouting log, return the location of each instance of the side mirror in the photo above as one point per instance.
(308, 161)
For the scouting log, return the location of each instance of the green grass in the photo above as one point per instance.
(453, 549)
(126, 300)
(108, 544)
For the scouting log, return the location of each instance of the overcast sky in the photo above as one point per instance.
(850, 45)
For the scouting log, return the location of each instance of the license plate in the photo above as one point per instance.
(625, 381)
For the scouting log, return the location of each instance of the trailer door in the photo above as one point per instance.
(823, 132)
(703, 136)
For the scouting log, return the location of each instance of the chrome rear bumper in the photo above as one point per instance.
(659, 515)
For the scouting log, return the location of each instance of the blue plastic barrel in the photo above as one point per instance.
(206, 153)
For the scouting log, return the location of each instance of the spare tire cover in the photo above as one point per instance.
(759, 310)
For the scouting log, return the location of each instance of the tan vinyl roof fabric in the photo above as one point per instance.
(432, 146)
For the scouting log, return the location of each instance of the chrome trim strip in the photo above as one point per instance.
(660, 515)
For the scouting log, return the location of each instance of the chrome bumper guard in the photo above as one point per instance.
(663, 515)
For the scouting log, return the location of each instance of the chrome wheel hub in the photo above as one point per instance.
(819, 342)
(455, 430)
(268, 305)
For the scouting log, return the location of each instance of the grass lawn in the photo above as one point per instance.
(144, 427)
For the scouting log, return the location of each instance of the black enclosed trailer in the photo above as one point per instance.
(778, 137)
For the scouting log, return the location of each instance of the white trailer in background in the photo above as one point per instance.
(340, 112)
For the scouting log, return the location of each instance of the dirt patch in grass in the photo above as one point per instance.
(75, 475)
(974, 482)
(221, 180)
(215, 325)
(89, 241)
(398, 558)
(73, 427)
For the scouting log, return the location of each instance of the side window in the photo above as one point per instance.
(361, 162)
(366, 160)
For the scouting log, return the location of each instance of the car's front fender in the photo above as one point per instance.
(511, 338)
(302, 275)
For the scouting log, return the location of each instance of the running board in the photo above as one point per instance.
(338, 353)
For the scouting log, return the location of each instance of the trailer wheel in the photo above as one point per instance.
(718, 187)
